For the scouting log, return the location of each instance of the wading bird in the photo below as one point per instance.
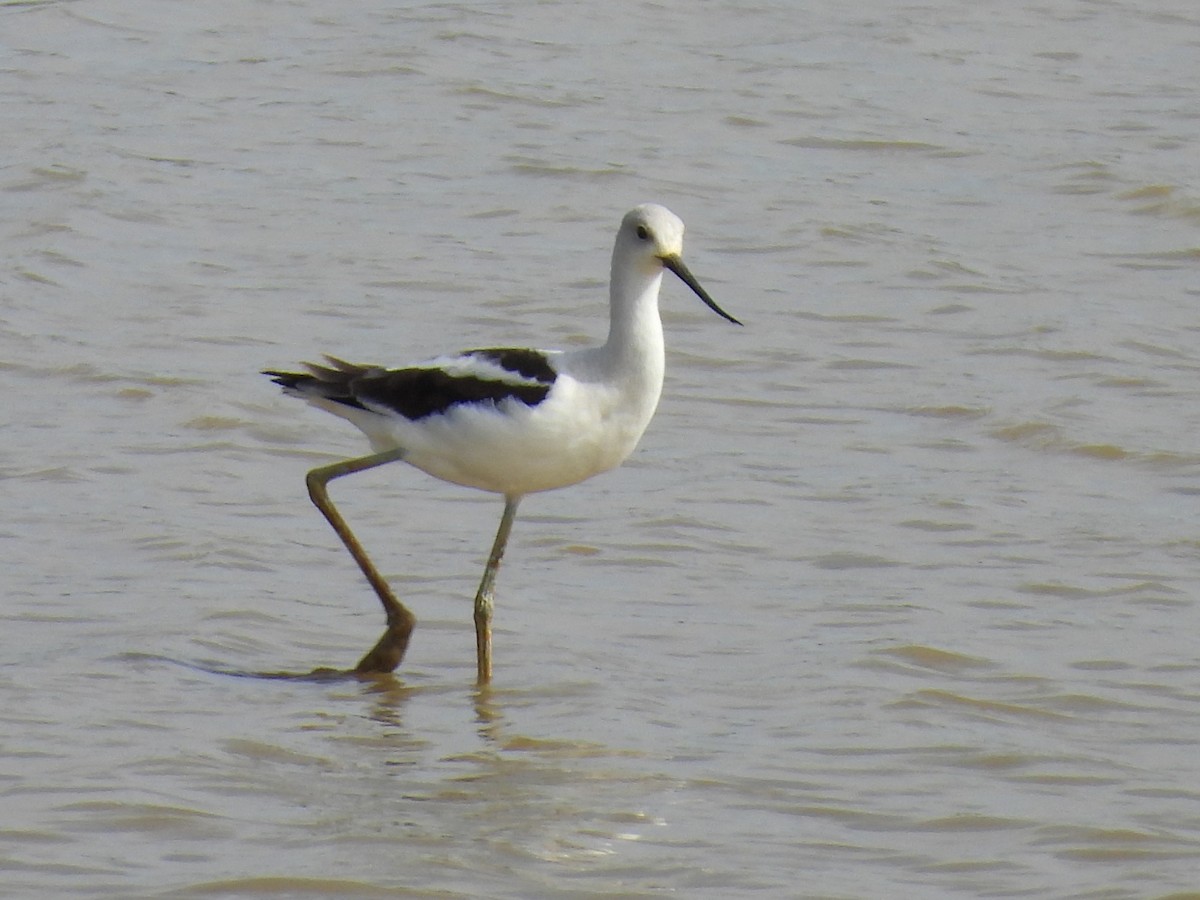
(509, 421)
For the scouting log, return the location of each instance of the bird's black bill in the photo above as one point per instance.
(675, 264)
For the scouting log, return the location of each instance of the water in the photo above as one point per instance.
(898, 598)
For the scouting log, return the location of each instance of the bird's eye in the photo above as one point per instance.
(643, 233)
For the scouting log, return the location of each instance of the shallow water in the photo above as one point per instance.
(898, 598)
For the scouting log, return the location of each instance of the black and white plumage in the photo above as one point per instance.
(420, 391)
(511, 421)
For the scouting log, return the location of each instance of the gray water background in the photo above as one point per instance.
(898, 597)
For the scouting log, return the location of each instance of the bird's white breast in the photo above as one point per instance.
(580, 429)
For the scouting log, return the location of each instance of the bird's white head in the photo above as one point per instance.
(650, 239)
(653, 232)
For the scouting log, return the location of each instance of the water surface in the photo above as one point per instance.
(898, 598)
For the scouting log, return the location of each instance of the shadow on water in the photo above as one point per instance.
(321, 674)
(379, 663)
(390, 693)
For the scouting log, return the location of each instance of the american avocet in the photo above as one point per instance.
(508, 421)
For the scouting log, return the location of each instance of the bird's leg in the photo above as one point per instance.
(484, 598)
(385, 655)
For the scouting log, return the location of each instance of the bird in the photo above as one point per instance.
(509, 421)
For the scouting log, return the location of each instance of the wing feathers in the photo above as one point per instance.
(476, 377)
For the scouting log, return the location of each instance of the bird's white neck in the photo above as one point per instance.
(635, 335)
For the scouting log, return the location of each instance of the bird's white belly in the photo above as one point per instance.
(578, 431)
